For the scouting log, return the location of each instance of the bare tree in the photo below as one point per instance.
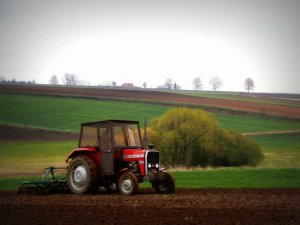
(83, 83)
(2, 79)
(249, 84)
(215, 82)
(169, 83)
(53, 80)
(144, 85)
(176, 86)
(197, 83)
(70, 79)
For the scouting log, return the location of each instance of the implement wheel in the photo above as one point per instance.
(82, 176)
(166, 185)
(128, 184)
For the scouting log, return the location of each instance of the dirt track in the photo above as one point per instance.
(27, 134)
(195, 206)
(152, 95)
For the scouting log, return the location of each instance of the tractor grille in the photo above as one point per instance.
(152, 160)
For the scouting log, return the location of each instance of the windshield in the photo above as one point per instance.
(127, 135)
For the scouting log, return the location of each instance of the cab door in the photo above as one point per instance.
(106, 149)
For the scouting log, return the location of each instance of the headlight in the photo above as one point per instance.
(149, 165)
(156, 165)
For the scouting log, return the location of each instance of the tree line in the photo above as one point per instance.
(216, 83)
(73, 80)
(14, 81)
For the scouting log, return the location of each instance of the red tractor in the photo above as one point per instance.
(111, 154)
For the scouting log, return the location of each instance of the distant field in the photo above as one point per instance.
(253, 97)
(248, 123)
(280, 151)
(21, 159)
(64, 113)
(217, 103)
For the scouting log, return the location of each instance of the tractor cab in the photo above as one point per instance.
(110, 134)
(110, 138)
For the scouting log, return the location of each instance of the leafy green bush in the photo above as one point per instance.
(192, 137)
(235, 149)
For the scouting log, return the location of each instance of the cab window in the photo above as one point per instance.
(105, 138)
(133, 135)
(89, 137)
(119, 136)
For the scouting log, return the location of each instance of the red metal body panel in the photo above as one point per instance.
(130, 155)
(138, 155)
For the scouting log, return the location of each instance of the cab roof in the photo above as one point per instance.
(110, 122)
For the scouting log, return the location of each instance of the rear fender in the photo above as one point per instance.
(81, 151)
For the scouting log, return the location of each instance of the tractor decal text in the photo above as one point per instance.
(133, 156)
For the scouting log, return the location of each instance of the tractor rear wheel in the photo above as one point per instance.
(128, 184)
(166, 186)
(82, 176)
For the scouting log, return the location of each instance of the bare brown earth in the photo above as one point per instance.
(153, 95)
(28, 134)
(185, 206)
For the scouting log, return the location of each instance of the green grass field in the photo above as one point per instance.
(255, 123)
(281, 151)
(22, 159)
(213, 178)
(67, 113)
(238, 178)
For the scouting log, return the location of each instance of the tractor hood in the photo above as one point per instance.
(147, 159)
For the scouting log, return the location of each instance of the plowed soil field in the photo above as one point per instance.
(153, 96)
(185, 206)
(27, 134)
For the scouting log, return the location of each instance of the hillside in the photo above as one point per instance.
(156, 96)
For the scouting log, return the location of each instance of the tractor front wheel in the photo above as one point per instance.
(82, 176)
(128, 184)
(166, 185)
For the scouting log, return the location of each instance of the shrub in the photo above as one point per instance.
(192, 137)
(236, 150)
(183, 136)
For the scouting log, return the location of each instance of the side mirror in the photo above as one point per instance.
(151, 146)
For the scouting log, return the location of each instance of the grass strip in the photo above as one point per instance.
(211, 178)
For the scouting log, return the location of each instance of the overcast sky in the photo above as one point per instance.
(150, 41)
